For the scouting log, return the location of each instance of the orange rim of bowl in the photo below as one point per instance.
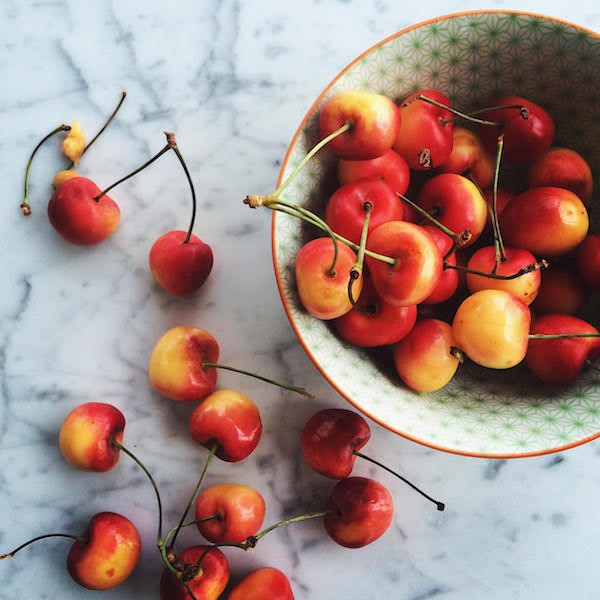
(309, 113)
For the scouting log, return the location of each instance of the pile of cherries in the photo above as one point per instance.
(183, 367)
(451, 236)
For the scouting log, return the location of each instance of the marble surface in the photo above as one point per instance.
(231, 80)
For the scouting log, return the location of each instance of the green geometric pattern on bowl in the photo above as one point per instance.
(471, 57)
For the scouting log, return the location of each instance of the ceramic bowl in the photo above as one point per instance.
(471, 57)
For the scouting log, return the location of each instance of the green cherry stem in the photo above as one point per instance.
(195, 493)
(116, 444)
(279, 205)
(45, 536)
(299, 390)
(459, 239)
(498, 241)
(345, 127)
(560, 336)
(357, 268)
(108, 122)
(25, 206)
(168, 146)
(457, 113)
(439, 505)
(472, 116)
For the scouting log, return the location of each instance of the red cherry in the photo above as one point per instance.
(330, 439)
(77, 217)
(180, 267)
(361, 511)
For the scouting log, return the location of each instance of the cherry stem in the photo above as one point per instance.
(24, 206)
(440, 505)
(299, 390)
(116, 444)
(108, 122)
(456, 113)
(77, 538)
(195, 493)
(543, 264)
(500, 250)
(252, 540)
(459, 239)
(345, 127)
(560, 336)
(357, 268)
(171, 138)
(311, 218)
(167, 147)
(472, 116)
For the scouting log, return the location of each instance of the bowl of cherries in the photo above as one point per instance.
(435, 233)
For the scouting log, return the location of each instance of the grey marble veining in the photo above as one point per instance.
(232, 80)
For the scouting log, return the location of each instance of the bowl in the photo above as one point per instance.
(471, 57)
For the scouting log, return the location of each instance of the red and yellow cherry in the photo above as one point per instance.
(176, 366)
(448, 281)
(231, 420)
(588, 260)
(180, 263)
(456, 203)
(390, 167)
(345, 210)
(373, 322)
(107, 553)
(361, 511)
(417, 262)
(548, 221)
(560, 360)
(229, 512)
(373, 120)
(263, 583)
(322, 278)
(523, 277)
(427, 359)
(78, 217)
(87, 436)
(562, 167)
(561, 291)
(527, 128)
(104, 556)
(491, 327)
(470, 158)
(203, 570)
(425, 135)
(330, 440)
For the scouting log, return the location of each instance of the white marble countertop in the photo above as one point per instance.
(232, 80)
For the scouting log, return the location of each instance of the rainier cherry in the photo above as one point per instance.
(229, 419)
(491, 327)
(202, 572)
(323, 277)
(427, 358)
(425, 135)
(560, 347)
(229, 512)
(90, 436)
(262, 584)
(104, 556)
(371, 121)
